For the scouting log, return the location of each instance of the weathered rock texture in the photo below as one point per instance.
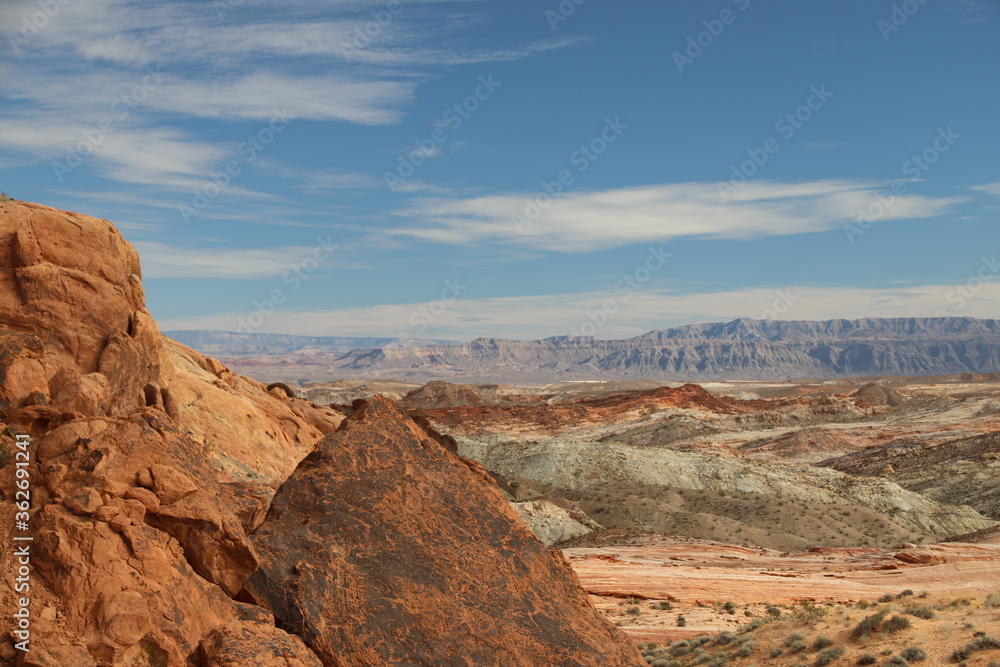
(383, 547)
(151, 465)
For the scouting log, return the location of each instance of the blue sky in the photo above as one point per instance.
(520, 169)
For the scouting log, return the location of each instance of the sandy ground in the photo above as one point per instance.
(697, 578)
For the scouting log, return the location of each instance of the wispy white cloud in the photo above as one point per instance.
(588, 221)
(541, 316)
(988, 188)
(161, 260)
(239, 64)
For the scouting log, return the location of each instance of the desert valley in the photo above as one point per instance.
(181, 511)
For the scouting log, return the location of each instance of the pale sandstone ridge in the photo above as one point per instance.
(152, 466)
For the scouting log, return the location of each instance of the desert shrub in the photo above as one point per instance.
(725, 638)
(896, 623)
(867, 659)
(633, 611)
(797, 647)
(776, 652)
(772, 610)
(681, 621)
(719, 659)
(794, 637)
(745, 650)
(730, 607)
(701, 640)
(828, 655)
(868, 625)
(665, 606)
(662, 662)
(680, 648)
(993, 600)
(897, 661)
(888, 597)
(983, 643)
(920, 611)
(822, 642)
(914, 654)
(754, 625)
(863, 604)
(904, 594)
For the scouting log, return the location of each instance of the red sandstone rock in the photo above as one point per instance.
(385, 548)
(151, 462)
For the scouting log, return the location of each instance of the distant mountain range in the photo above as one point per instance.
(742, 349)
(231, 344)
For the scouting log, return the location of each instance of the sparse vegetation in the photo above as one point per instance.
(867, 659)
(868, 625)
(982, 643)
(914, 654)
(921, 611)
(793, 637)
(725, 638)
(797, 647)
(896, 624)
(822, 641)
(828, 655)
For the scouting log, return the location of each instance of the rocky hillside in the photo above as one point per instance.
(738, 350)
(181, 514)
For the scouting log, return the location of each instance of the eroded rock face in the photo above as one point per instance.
(551, 523)
(149, 462)
(385, 548)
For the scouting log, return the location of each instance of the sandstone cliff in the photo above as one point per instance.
(153, 466)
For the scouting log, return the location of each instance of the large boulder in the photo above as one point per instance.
(385, 548)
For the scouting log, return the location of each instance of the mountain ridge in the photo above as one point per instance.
(741, 349)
